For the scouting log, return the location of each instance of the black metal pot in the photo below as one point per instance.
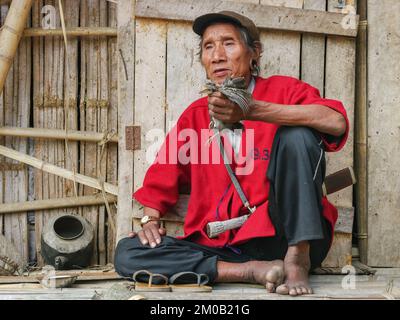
(67, 242)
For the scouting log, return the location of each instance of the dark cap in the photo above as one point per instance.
(201, 23)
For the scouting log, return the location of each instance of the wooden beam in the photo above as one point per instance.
(55, 134)
(71, 32)
(61, 172)
(11, 35)
(126, 104)
(49, 204)
(83, 275)
(265, 17)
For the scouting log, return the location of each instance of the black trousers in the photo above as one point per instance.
(296, 172)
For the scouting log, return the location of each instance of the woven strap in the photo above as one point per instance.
(234, 179)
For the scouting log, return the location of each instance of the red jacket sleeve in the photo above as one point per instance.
(303, 93)
(160, 188)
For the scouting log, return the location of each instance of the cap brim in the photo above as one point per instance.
(202, 22)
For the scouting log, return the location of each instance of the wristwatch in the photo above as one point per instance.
(146, 219)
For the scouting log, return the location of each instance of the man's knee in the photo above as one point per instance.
(296, 138)
(124, 253)
(131, 255)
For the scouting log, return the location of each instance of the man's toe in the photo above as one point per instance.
(282, 289)
(270, 287)
(299, 291)
(304, 290)
(293, 292)
(275, 275)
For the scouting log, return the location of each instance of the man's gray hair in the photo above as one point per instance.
(248, 41)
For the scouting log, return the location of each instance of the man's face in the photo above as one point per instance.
(224, 53)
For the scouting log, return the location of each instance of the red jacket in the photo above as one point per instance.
(213, 197)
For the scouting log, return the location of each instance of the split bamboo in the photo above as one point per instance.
(11, 35)
(72, 32)
(361, 134)
(61, 172)
(49, 204)
(42, 133)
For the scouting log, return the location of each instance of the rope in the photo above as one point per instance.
(8, 266)
(235, 90)
(107, 136)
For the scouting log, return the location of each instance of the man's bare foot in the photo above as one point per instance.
(267, 273)
(296, 266)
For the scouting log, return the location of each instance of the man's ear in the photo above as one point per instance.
(257, 51)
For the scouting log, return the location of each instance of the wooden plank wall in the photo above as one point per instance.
(383, 133)
(150, 90)
(15, 106)
(340, 85)
(281, 49)
(313, 52)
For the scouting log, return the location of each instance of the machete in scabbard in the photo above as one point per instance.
(333, 183)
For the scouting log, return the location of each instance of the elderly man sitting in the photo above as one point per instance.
(291, 229)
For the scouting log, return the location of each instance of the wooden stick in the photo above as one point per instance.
(49, 204)
(11, 35)
(72, 32)
(264, 16)
(61, 172)
(361, 134)
(55, 134)
(83, 275)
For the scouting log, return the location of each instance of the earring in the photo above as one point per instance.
(254, 67)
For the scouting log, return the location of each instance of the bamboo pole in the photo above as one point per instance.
(360, 134)
(3, 2)
(11, 34)
(55, 134)
(49, 204)
(72, 32)
(61, 172)
(83, 275)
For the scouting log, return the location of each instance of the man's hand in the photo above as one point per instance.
(150, 234)
(223, 109)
